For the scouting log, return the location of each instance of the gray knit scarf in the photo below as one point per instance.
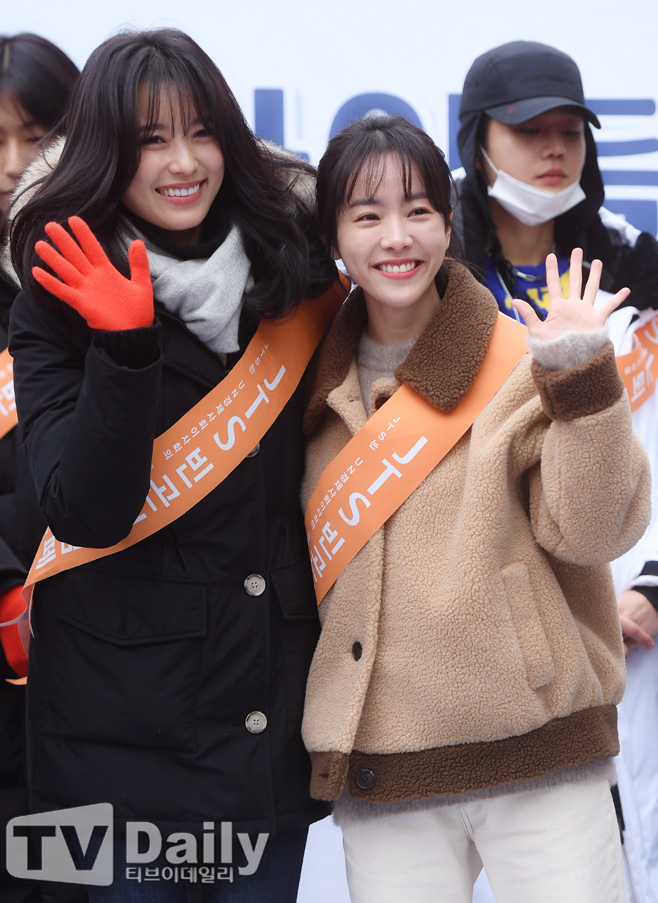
(206, 294)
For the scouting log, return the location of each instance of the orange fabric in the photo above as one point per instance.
(391, 455)
(12, 606)
(639, 368)
(8, 416)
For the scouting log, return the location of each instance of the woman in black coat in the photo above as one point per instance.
(168, 678)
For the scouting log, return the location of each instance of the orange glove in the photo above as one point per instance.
(91, 284)
(11, 606)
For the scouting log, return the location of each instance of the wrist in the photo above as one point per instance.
(568, 350)
(650, 593)
(132, 348)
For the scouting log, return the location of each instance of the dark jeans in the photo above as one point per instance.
(275, 881)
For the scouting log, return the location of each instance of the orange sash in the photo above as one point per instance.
(194, 455)
(391, 455)
(8, 416)
(639, 368)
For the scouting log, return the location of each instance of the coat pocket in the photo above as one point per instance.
(535, 649)
(124, 660)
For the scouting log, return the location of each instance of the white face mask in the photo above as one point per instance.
(528, 204)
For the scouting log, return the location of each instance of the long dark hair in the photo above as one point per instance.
(102, 153)
(358, 150)
(37, 77)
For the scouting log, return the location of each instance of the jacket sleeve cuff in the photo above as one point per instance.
(134, 349)
(579, 391)
(650, 593)
(569, 350)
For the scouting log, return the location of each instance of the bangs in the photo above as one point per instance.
(171, 94)
(23, 103)
(37, 78)
(13, 103)
(371, 165)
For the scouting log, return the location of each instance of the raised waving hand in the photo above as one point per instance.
(576, 312)
(90, 283)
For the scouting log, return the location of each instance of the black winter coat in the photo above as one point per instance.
(146, 664)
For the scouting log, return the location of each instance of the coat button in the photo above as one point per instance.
(365, 779)
(254, 451)
(357, 651)
(255, 722)
(254, 585)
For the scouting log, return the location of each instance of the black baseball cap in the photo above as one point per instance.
(523, 79)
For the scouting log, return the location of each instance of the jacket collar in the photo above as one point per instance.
(443, 363)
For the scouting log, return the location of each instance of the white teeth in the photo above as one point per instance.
(180, 192)
(403, 268)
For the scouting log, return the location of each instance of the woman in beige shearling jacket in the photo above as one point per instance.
(472, 648)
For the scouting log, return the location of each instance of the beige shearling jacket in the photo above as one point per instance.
(474, 641)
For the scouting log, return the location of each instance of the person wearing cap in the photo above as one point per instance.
(532, 185)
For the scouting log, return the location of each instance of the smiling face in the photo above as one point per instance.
(20, 142)
(180, 171)
(393, 246)
(547, 151)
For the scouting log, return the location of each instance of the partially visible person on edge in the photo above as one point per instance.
(36, 78)
(167, 677)
(460, 707)
(532, 186)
